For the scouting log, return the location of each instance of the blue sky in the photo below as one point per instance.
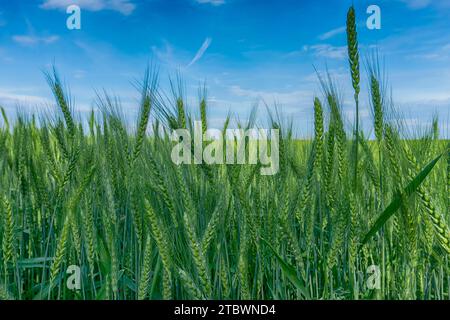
(247, 52)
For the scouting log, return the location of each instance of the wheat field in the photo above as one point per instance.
(346, 217)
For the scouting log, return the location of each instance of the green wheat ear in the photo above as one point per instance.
(318, 135)
(181, 113)
(353, 53)
(5, 118)
(203, 115)
(8, 233)
(353, 58)
(61, 99)
(377, 107)
(144, 280)
(61, 250)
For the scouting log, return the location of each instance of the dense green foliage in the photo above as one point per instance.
(110, 200)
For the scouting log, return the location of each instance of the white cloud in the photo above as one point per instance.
(213, 2)
(165, 54)
(125, 7)
(200, 52)
(327, 51)
(30, 40)
(332, 33)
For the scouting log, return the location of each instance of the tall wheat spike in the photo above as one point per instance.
(62, 100)
(353, 56)
(143, 119)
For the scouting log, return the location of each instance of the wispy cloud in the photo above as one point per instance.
(3, 55)
(165, 54)
(125, 7)
(14, 97)
(31, 40)
(289, 98)
(421, 4)
(79, 74)
(200, 52)
(441, 53)
(327, 51)
(2, 19)
(213, 2)
(332, 33)
(417, 4)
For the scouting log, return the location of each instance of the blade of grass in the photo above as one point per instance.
(396, 203)
(289, 271)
